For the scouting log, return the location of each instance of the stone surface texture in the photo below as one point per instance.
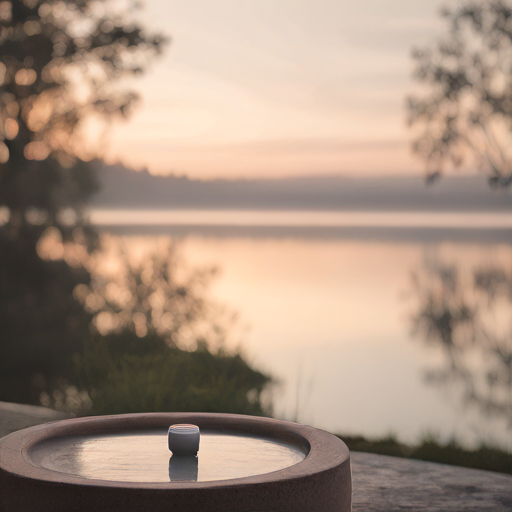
(14, 417)
(391, 484)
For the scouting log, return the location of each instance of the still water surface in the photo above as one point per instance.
(330, 316)
(144, 457)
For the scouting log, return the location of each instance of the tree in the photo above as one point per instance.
(157, 342)
(66, 333)
(59, 65)
(464, 113)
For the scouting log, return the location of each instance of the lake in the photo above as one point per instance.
(329, 301)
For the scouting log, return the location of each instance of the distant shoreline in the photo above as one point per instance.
(121, 188)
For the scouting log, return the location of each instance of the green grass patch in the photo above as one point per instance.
(431, 450)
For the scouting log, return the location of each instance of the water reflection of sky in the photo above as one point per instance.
(144, 457)
(330, 319)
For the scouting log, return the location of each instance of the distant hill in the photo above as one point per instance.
(123, 188)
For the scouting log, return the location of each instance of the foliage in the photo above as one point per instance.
(41, 323)
(59, 63)
(430, 449)
(464, 109)
(483, 457)
(125, 373)
(388, 445)
(136, 340)
(157, 342)
(155, 295)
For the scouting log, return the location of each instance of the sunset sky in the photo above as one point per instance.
(261, 88)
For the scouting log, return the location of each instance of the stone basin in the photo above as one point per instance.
(115, 463)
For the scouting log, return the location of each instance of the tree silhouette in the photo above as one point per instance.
(157, 342)
(67, 334)
(59, 65)
(464, 112)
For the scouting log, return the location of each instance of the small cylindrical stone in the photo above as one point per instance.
(184, 439)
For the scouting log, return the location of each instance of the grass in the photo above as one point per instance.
(431, 450)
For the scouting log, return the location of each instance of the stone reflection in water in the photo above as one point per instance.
(468, 315)
(183, 468)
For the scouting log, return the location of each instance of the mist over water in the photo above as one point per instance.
(303, 218)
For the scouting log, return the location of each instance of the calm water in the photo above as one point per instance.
(329, 312)
(144, 457)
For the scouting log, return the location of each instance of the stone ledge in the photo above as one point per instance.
(17, 416)
(392, 484)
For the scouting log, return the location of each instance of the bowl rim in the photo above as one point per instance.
(324, 450)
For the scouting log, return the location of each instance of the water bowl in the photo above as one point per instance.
(135, 462)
